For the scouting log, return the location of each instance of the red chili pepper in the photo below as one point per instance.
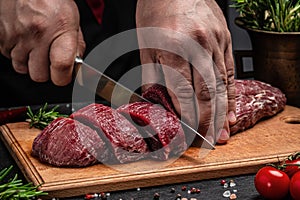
(89, 196)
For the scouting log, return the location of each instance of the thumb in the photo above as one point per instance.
(81, 44)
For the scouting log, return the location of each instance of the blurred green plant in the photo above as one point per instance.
(14, 189)
(269, 15)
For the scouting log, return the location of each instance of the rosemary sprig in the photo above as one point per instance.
(14, 189)
(43, 116)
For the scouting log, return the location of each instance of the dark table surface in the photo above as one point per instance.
(210, 189)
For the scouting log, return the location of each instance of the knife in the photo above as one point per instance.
(116, 93)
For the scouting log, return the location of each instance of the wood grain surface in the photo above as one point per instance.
(246, 152)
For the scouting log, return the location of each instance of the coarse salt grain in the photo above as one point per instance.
(227, 194)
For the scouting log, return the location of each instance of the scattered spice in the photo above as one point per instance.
(103, 196)
(183, 188)
(193, 190)
(227, 194)
(178, 197)
(232, 183)
(89, 196)
(223, 182)
(225, 185)
(156, 196)
(233, 196)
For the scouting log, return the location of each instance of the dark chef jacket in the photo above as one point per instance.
(18, 89)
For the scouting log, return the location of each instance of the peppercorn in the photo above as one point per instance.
(178, 197)
(103, 196)
(183, 188)
(156, 196)
(193, 190)
(172, 190)
(223, 182)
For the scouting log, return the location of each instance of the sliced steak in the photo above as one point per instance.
(255, 100)
(122, 138)
(159, 94)
(68, 143)
(162, 129)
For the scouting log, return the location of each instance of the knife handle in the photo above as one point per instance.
(12, 114)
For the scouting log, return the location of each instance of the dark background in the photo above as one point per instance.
(20, 90)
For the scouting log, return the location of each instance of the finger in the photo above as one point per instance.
(38, 64)
(205, 89)
(221, 121)
(151, 70)
(19, 56)
(80, 44)
(231, 93)
(62, 54)
(178, 80)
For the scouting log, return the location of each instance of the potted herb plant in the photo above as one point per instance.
(274, 30)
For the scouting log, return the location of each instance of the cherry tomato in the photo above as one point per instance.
(292, 166)
(272, 183)
(295, 186)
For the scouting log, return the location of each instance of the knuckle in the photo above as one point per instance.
(184, 91)
(230, 74)
(62, 64)
(203, 38)
(206, 92)
(221, 83)
(38, 26)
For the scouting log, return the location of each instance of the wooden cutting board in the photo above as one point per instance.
(246, 152)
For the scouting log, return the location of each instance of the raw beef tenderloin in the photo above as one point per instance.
(162, 129)
(255, 100)
(68, 143)
(122, 138)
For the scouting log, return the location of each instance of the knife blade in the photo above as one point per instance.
(116, 93)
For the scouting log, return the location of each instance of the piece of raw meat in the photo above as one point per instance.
(161, 128)
(255, 100)
(158, 94)
(122, 138)
(68, 143)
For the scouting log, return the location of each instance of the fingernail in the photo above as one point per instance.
(223, 136)
(231, 117)
(210, 139)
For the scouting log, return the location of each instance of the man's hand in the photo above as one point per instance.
(190, 51)
(41, 33)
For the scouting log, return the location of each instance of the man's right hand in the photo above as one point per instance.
(41, 37)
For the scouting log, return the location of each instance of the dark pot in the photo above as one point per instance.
(276, 60)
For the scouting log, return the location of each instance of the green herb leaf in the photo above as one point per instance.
(269, 15)
(43, 116)
(14, 189)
